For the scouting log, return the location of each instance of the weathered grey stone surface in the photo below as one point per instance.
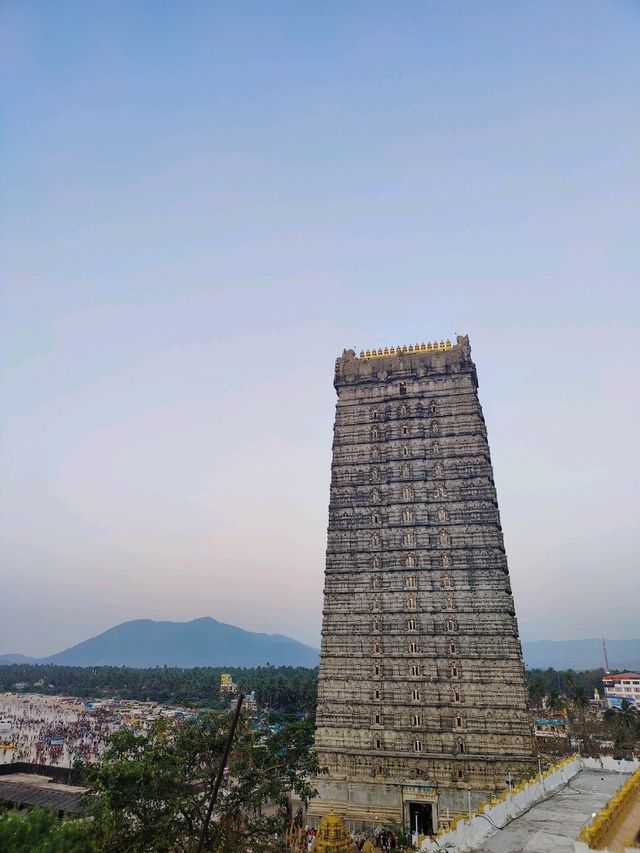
(421, 687)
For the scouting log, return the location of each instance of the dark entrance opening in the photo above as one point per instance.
(421, 818)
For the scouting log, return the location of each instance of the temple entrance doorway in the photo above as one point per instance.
(421, 818)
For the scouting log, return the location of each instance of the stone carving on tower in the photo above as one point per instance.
(421, 690)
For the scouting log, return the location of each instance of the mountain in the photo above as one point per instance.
(207, 642)
(201, 642)
(17, 659)
(581, 654)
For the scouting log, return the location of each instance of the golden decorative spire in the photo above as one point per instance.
(332, 836)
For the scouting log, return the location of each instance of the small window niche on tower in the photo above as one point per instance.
(403, 389)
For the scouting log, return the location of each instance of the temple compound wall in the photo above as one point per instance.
(421, 693)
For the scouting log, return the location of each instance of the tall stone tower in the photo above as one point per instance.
(421, 692)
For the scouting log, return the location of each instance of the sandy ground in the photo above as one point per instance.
(53, 730)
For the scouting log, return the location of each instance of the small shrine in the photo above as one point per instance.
(332, 836)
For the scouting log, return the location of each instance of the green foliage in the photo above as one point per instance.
(284, 689)
(623, 724)
(40, 830)
(151, 792)
(567, 683)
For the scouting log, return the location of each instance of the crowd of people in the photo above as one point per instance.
(53, 730)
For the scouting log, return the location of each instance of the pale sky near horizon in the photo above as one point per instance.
(204, 203)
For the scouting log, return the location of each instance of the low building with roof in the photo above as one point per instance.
(550, 727)
(24, 785)
(620, 686)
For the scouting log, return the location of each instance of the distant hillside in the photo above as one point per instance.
(202, 642)
(207, 642)
(581, 654)
(17, 659)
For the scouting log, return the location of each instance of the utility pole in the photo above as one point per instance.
(606, 658)
(218, 782)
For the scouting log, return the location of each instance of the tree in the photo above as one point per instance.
(624, 724)
(537, 684)
(152, 790)
(570, 681)
(41, 830)
(580, 701)
(556, 702)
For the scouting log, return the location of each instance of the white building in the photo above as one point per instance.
(624, 685)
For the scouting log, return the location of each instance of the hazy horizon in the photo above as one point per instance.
(316, 644)
(204, 205)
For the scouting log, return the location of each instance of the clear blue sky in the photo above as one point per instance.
(204, 203)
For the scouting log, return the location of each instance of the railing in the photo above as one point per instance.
(594, 833)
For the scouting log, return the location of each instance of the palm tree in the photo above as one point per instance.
(556, 702)
(580, 700)
(624, 724)
(570, 681)
(626, 715)
(537, 684)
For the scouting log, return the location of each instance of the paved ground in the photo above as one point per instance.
(552, 826)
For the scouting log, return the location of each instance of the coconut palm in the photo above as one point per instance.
(625, 716)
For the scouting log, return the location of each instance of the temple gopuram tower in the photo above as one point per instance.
(421, 692)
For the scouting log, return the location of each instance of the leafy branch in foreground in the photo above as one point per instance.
(151, 791)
